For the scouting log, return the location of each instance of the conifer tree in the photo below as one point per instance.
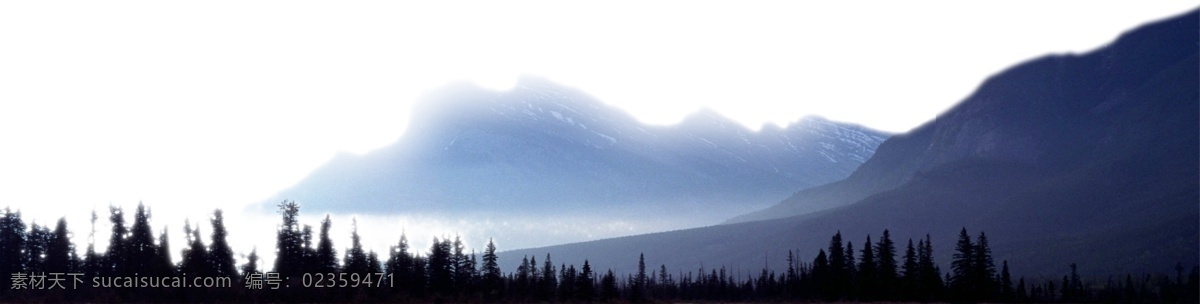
(639, 283)
(195, 257)
(251, 265)
(585, 290)
(289, 254)
(985, 269)
(868, 272)
(820, 275)
(92, 261)
(356, 258)
(838, 274)
(12, 240)
(548, 281)
(1006, 284)
(931, 282)
(326, 256)
(35, 248)
(441, 272)
(220, 255)
(164, 265)
(962, 281)
(115, 255)
(910, 276)
(141, 253)
(885, 257)
(400, 264)
(566, 282)
(492, 281)
(608, 287)
(58, 253)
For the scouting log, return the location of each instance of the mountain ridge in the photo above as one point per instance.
(542, 148)
(1087, 159)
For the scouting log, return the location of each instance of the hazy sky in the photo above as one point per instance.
(191, 105)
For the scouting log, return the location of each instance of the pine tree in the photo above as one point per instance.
(964, 269)
(548, 281)
(35, 248)
(356, 258)
(910, 277)
(115, 255)
(566, 283)
(141, 253)
(638, 291)
(463, 270)
(931, 282)
(251, 265)
(820, 275)
(985, 269)
(289, 254)
(58, 253)
(522, 280)
(195, 257)
(92, 261)
(164, 265)
(885, 257)
(868, 272)
(492, 281)
(608, 287)
(441, 273)
(12, 240)
(398, 263)
(219, 254)
(585, 290)
(838, 275)
(1006, 284)
(326, 257)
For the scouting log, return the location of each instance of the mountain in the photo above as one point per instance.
(546, 150)
(1088, 159)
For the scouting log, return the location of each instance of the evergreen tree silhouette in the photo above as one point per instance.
(910, 276)
(1006, 284)
(962, 280)
(251, 265)
(441, 272)
(195, 256)
(289, 251)
(141, 253)
(163, 253)
(114, 256)
(984, 278)
(821, 275)
(931, 283)
(12, 240)
(326, 257)
(838, 275)
(492, 280)
(868, 272)
(608, 287)
(585, 290)
(59, 249)
(638, 290)
(356, 258)
(548, 281)
(885, 257)
(220, 255)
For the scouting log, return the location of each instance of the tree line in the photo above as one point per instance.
(877, 271)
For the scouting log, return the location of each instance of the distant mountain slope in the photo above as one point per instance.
(545, 149)
(1091, 159)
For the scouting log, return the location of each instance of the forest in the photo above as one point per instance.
(43, 266)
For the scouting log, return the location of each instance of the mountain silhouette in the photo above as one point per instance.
(1088, 159)
(544, 149)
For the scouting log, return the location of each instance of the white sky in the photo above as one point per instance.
(201, 104)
